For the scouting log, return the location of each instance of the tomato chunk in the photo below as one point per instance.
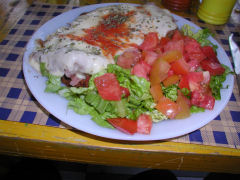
(170, 80)
(159, 71)
(125, 91)
(150, 41)
(180, 67)
(194, 80)
(193, 49)
(171, 56)
(174, 45)
(129, 58)
(177, 36)
(209, 52)
(144, 124)
(168, 107)
(184, 82)
(149, 57)
(108, 87)
(184, 105)
(125, 125)
(141, 69)
(156, 92)
(214, 67)
(202, 99)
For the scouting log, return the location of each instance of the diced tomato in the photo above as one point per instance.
(174, 45)
(194, 80)
(129, 58)
(170, 80)
(150, 41)
(214, 67)
(180, 67)
(156, 92)
(184, 105)
(125, 125)
(125, 92)
(170, 72)
(159, 71)
(164, 41)
(171, 56)
(204, 100)
(141, 69)
(184, 82)
(144, 124)
(160, 47)
(206, 77)
(108, 87)
(177, 36)
(193, 49)
(168, 107)
(209, 52)
(149, 57)
(194, 65)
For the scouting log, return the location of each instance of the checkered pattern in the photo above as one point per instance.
(17, 103)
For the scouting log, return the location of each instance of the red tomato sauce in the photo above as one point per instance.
(110, 35)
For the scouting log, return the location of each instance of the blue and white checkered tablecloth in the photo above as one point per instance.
(17, 103)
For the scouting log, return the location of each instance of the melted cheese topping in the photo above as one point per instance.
(90, 42)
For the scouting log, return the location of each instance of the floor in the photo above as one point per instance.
(78, 171)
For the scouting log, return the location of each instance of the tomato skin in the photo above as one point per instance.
(177, 36)
(214, 67)
(108, 87)
(141, 69)
(168, 107)
(125, 125)
(144, 124)
(149, 57)
(209, 52)
(125, 92)
(202, 99)
(129, 58)
(171, 56)
(174, 45)
(194, 65)
(156, 92)
(193, 49)
(159, 71)
(184, 82)
(150, 41)
(180, 67)
(163, 41)
(184, 106)
(170, 80)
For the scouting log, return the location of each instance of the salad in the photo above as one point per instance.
(167, 78)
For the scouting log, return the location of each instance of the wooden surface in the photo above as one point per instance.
(19, 139)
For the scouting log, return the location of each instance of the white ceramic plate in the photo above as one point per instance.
(57, 105)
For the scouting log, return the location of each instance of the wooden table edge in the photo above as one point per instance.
(22, 139)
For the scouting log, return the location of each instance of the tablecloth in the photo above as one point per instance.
(17, 103)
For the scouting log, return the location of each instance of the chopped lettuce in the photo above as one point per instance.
(140, 100)
(53, 83)
(86, 100)
(196, 109)
(170, 92)
(217, 81)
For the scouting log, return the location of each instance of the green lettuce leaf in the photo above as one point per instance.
(217, 81)
(170, 92)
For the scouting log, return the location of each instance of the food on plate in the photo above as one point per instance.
(129, 67)
(88, 44)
